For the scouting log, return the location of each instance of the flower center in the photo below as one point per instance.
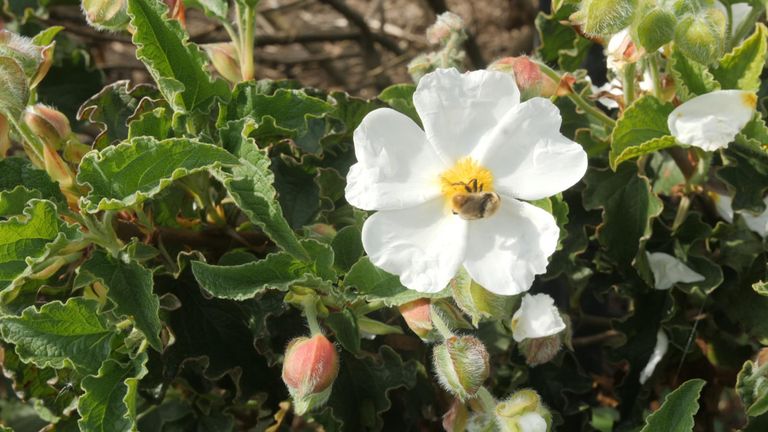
(468, 188)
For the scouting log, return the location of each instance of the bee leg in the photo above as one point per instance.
(473, 182)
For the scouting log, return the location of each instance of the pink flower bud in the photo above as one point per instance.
(225, 61)
(528, 76)
(49, 124)
(309, 370)
(417, 315)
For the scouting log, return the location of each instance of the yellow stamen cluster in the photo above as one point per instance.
(466, 174)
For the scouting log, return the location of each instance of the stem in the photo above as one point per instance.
(653, 66)
(32, 144)
(628, 79)
(247, 29)
(310, 310)
(124, 324)
(577, 99)
(486, 400)
(439, 323)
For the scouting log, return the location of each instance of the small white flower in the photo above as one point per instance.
(711, 121)
(662, 344)
(668, 270)
(531, 422)
(451, 195)
(757, 223)
(621, 50)
(537, 317)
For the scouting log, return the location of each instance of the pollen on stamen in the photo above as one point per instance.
(465, 176)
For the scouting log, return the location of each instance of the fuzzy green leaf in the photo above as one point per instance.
(691, 78)
(251, 186)
(640, 130)
(177, 66)
(677, 411)
(741, 68)
(376, 284)
(129, 286)
(60, 334)
(109, 401)
(628, 206)
(400, 98)
(16, 171)
(12, 202)
(138, 169)
(347, 247)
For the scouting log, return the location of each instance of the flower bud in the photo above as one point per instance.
(447, 24)
(421, 65)
(34, 60)
(49, 124)
(523, 412)
(528, 76)
(224, 59)
(537, 317)
(540, 350)
(656, 28)
(461, 364)
(476, 301)
(309, 370)
(604, 17)
(418, 317)
(106, 14)
(621, 50)
(455, 419)
(176, 11)
(59, 171)
(701, 37)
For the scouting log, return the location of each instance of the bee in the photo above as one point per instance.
(475, 204)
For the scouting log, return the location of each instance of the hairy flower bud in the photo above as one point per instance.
(461, 363)
(418, 317)
(528, 76)
(701, 37)
(476, 301)
(49, 124)
(225, 60)
(309, 370)
(605, 17)
(447, 23)
(541, 350)
(655, 28)
(421, 65)
(523, 412)
(106, 14)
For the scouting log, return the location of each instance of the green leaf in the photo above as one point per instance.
(752, 388)
(155, 123)
(26, 237)
(344, 326)
(12, 202)
(133, 171)
(677, 411)
(746, 174)
(691, 78)
(277, 271)
(560, 43)
(177, 66)
(129, 286)
(60, 334)
(400, 98)
(347, 247)
(641, 129)
(628, 206)
(376, 284)
(14, 90)
(16, 171)
(109, 401)
(112, 107)
(218, 9)
(741, 68)
(250, 184)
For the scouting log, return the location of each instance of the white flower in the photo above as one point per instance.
(531, 422)
(712, 120)
(477, 137)
(537, 317)
(621, 50)
(668, 270)
(757, 223)
(662, 344)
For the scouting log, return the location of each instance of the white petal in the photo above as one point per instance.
(740, 12)
(529, 158)
(532, 422)
(759, 223)
(424, 245)
(396, 167)
(723, 206)
(668, 270)
(537, 317)
(662, 344)
(458, 109)
(505, 251)
(712, 120)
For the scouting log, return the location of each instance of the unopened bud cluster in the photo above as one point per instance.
(449, 35)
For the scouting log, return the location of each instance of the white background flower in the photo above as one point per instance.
(668, 270)
(757, 223)
(401, 172)
(537, 317)
(662, 344)
(711, 121)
